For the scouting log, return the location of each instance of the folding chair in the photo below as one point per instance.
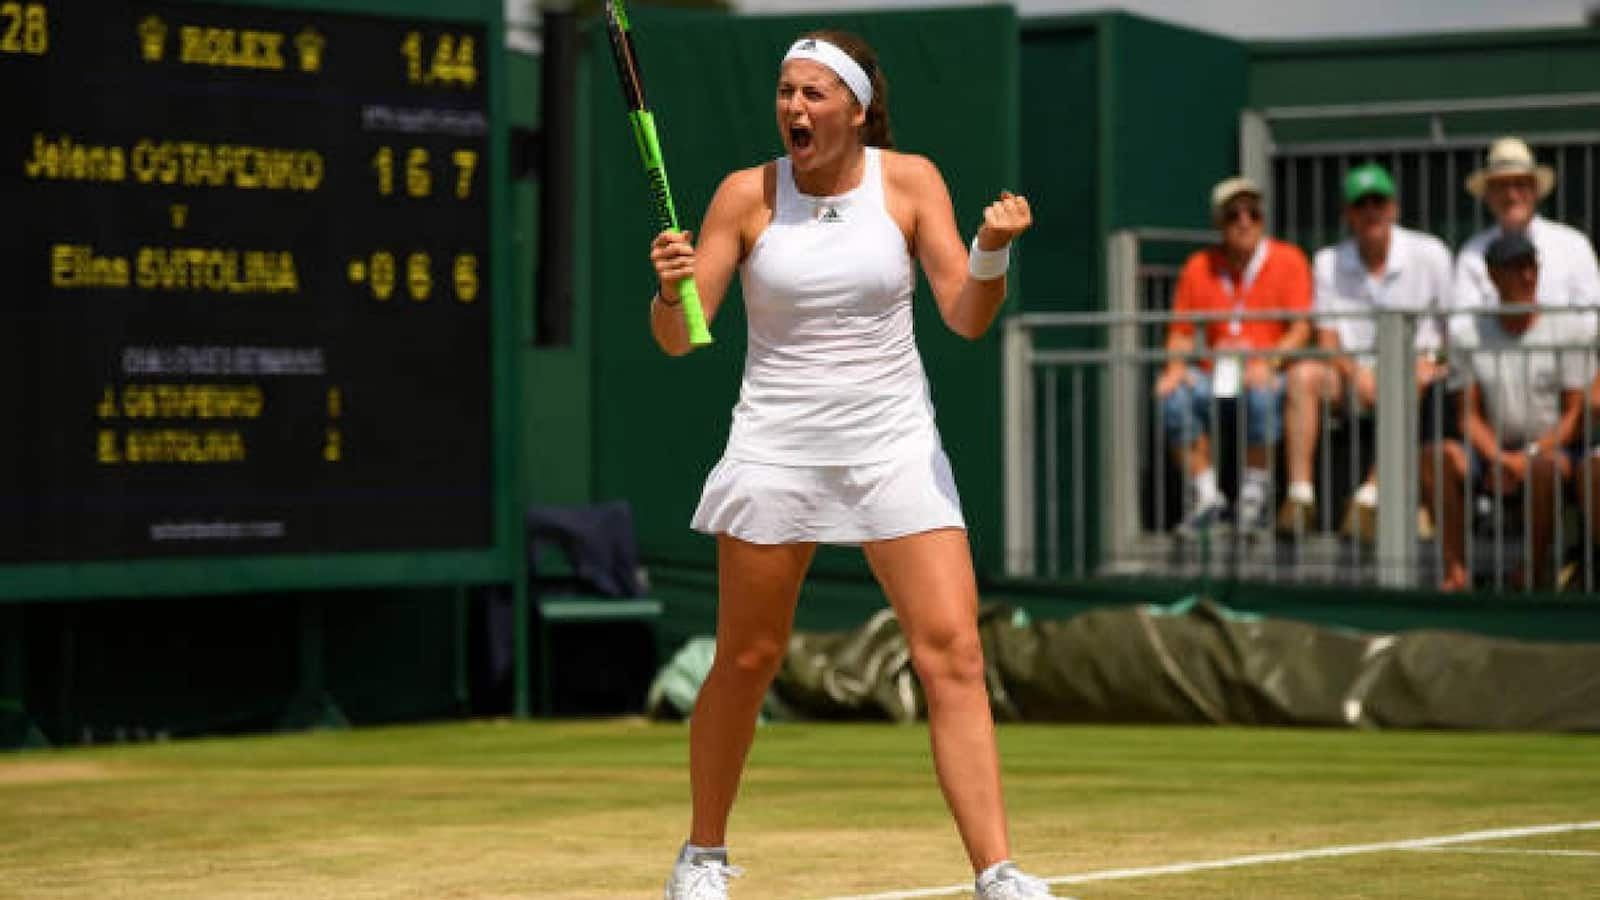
(583, 567)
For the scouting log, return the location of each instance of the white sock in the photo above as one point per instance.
(1302, 492)
(1255, 483)
(987, 875)
(693, 854)
(1205, 485)
(1367, 494)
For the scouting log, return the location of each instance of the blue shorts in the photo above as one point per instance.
(1186, 412)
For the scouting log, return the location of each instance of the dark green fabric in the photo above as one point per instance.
(1199, 663)
(1205, 665)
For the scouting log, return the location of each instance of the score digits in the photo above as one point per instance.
(382, 274)
(452, 61)
(418, 171)
(24, 29)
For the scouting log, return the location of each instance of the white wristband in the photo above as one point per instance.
(987, 265)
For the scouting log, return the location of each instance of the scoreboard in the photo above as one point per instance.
(248, 304)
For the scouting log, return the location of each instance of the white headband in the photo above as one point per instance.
(849, 71)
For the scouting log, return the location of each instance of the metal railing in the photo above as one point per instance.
(1090, 488)
(1429, 146)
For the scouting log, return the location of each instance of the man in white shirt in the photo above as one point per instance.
(1511, 185)
(1381, 266)
(1525, 377)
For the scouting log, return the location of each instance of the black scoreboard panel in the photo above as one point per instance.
(246, 282)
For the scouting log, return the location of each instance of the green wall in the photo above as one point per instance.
(1061, 140)
(1126, 123)
(1173, 99)
(553, 426)
(1428, 68)
(1424, 68)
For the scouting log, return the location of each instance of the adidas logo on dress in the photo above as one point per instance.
(830, 214)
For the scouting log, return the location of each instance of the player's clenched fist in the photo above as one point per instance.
(1003, 220)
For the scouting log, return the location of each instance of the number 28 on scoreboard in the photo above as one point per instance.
(24, 29)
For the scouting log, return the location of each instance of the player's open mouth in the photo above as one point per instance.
(799, 137)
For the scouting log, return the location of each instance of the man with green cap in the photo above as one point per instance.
(1380, 266)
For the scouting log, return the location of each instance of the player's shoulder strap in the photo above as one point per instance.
(786, 194)
(769, 183)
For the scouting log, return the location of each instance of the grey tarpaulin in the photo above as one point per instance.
(1196, 662)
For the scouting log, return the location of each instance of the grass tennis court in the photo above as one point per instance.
(596, 809)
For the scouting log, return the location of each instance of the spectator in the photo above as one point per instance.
(1246, 273)
(1380, 266)
(1521, 408)
(1511, 185)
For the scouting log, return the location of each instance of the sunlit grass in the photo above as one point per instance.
(498, 809)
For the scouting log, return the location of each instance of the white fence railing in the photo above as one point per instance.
(1091, 490)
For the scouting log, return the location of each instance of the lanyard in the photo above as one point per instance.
(1251, 270)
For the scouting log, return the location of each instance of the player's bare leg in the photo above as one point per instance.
(758, 586)
(929, 581)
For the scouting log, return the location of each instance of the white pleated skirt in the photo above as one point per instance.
(766, 503)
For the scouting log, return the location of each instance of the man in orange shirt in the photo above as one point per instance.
(1246, 273)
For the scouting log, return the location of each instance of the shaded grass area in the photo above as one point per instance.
(596, 809)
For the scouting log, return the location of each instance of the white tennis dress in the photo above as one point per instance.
(833, 438)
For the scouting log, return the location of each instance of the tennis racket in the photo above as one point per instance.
(655, 169)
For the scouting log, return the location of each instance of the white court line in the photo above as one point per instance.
(1469, 837)
(1508, 852)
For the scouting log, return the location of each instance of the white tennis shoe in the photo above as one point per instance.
(701, 879)
(1007, 882)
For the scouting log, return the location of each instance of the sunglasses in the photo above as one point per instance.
(1233, 213)
(1522, 265)
(1517, 183)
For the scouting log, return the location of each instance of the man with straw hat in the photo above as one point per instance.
(1511, 184)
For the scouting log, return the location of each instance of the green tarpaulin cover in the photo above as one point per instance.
(1197, 662)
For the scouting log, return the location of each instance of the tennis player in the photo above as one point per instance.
(833, 438)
